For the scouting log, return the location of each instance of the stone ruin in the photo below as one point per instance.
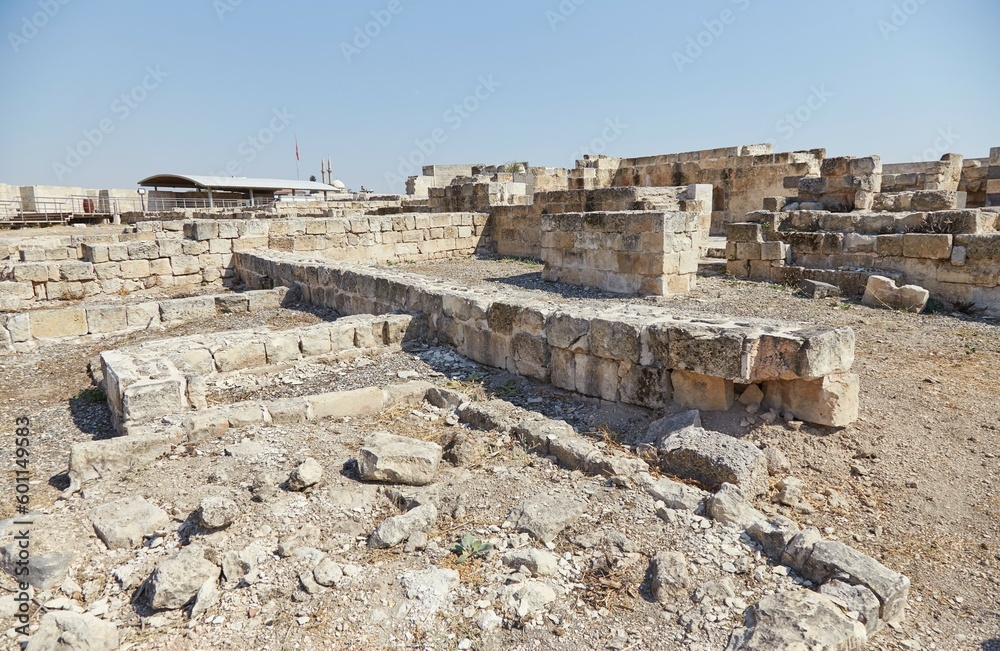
(627, 226)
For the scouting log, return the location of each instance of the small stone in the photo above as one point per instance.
(217, 512)
(307, 474)
(669, 575)
(328, 573)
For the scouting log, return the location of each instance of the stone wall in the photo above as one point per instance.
(845, 183)
(197, 252)
(993, 179)
(24, 330)
(741, 176)
(627, 252)
(975, 173)
(517, 229)
(167, 377)
(953, 254)
(635, 354)
(945, 174)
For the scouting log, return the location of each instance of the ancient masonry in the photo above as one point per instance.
(898, 234)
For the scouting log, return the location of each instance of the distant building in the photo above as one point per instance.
(171, 191)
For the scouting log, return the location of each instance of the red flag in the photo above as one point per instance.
(296, 148)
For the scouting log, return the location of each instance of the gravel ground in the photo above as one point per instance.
(917, 479)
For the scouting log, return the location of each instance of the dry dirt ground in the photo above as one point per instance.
(916, 479)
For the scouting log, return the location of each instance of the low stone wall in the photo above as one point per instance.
(639, 355)
(993, 179)
(845, 183)
(164, 377)
(944, 174)
(918, 248)
(25, 330)
(975, 174)
(199, 252)
(626, 252)
(517, 229)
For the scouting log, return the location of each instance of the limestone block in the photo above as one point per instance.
(316, 341)
(110, 318)
(289, 411)
(935, 247)
(830, 401)
(134, 268)
(184, 265)
(564, 330)
(883, 292)
(201, 229)
(147, 399)
(240, 355)
(596, 376)
(703, 392)
(532, 356)
(281, 348)
(830, 559)
(15, 291)
(143, 250)
(117, 252)
(798, 620)
(714, 459)
(615, 339)
(142, 315)
(37, 273)
(341, 404)
(646, 386)
(187, 309)
(563, 368)
(55, 291)
(76, 271)
(810, 352)
(52, 324)
(707, 350)
(122, 524)
(400, 460)
(19, 327)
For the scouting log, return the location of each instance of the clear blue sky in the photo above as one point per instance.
(904, 79)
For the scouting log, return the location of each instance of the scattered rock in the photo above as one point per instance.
(328, 573)
(396, 529)
(674, 494)
(798, 620)
(665, 427)
(883, 292)
(718, 590)
(177, 580)
(206, 599)
(818, 290)
(715, 459)
(529, 597)
(399, 460)
(536, 561)
(306, 474)
(752, 395)
(728, 506)
(466, 449)
(217, 512)
(669, 575)
(855, 598)
(307, 535)
(777, 462)
(545, 515)
(123, 524)
(67, 631)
